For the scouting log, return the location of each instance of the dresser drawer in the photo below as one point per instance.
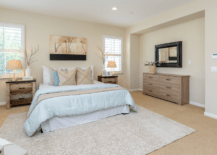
(171, 88)
(150, 84)
(170, 80)
(150, 91)
(21, 86)
(174, 97)
(154, 78)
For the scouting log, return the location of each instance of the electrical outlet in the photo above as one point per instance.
(213, 69)
(189, 62)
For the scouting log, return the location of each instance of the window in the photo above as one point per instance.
(113, 47)
(12, 38)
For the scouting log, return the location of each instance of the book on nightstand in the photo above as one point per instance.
(27, 78)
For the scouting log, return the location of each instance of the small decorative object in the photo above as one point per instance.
(14, 65)
(152, 66)
(30, 60)
(111, 64)
(108, 74)
(103, 72)
(101, 55)
(67, 48)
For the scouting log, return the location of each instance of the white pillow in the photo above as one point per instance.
(46, 75)
(92, 71)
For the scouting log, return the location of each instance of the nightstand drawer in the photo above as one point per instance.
(21, 86)
(109, 80)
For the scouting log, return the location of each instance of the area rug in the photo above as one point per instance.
(136, 133)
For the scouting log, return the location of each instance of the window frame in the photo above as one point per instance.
(22, 27)
(114, 37)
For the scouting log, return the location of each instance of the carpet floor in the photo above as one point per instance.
(136, 133)
(202, 142)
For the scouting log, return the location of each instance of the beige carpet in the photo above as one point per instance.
(135, 133)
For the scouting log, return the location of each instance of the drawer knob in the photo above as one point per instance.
(168, 79)
(168, 87)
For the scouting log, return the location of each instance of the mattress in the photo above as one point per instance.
(41, 85)
(65, 122)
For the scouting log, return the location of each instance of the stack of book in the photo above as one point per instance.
(27, 78)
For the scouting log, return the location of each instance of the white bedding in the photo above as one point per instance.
(65, 122)
(41, 85)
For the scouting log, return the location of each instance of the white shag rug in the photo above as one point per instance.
(136, 133)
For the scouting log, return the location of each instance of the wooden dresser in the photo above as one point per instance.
(19, 92)
(174, 88)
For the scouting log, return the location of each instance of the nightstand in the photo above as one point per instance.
(108, 79)
(19, 92)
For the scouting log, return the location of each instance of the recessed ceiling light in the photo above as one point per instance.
(114, 8)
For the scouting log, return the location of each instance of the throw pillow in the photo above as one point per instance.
(67, 78)
(84, 76)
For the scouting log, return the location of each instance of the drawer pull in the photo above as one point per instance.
(150, 84)
(168, 95)
(21, 98)
(168, 79)
(150, 90)
(150, 77)
(21, 88)
(168, 87)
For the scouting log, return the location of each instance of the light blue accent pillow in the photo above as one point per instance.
(56, 78)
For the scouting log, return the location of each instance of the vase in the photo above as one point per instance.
(28, 72)
(152, 69)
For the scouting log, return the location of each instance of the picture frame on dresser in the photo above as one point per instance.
(169, 55)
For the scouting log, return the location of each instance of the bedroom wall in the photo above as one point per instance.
(192, 34)
(38, 29)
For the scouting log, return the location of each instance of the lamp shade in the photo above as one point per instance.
(14, 64)
(111, 64)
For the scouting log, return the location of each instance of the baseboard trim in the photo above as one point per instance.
(197, 104)
(210, 115)
(138, 89)
(2, 103)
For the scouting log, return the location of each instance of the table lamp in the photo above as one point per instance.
(112, 64)
(14, 65)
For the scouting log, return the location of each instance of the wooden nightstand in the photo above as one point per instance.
(19, 92)
(108, 79)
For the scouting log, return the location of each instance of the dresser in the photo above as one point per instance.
(174, 88)
(19, 92)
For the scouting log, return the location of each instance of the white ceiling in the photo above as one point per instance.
(129, 12)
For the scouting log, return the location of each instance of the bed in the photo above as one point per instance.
(65, 106)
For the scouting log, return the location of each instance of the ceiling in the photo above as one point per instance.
(129, 12)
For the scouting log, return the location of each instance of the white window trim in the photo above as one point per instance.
(114, 37)
(22, 27)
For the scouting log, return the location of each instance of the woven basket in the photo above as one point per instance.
(152, 69)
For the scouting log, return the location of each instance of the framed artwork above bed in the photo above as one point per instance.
(67, 48)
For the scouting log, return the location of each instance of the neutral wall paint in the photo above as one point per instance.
(38, 29)
(192, 34)
(210, 8)
(134, 65)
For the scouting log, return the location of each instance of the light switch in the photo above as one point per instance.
(189, 62)
(213, 69)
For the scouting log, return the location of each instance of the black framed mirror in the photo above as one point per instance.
(169, 55)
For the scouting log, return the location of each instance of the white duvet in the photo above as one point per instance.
(74, 104)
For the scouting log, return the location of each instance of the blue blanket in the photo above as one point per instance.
(74, 104)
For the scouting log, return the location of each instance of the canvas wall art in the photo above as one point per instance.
(67, 48)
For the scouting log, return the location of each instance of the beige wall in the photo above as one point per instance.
(192, 34)
(38, 29)
(210, 8)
